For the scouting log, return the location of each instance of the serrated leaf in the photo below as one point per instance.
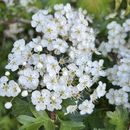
(41, 119)
(48, 123)
(118, 118)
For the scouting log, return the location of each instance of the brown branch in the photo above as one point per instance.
(53, 116)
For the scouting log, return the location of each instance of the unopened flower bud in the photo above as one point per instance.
(24, 93)
(8, 105)
(7, 73)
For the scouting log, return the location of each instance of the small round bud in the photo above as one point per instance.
(8, 105)
(24, 93)
(39, 65)
(7, 73)
(39, 48)
(24, 63)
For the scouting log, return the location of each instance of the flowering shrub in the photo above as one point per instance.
(57, 65)
(69, 70)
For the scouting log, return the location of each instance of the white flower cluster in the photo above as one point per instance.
(118, 97)
(9, 88)
(58, 65)
(117, 34)
(119, 74)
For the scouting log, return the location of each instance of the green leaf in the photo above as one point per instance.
(23, 119)
(41, 119)
(48, 123)
(39, 114)
(32, 126)
(21, 107)
(95, 120)
(71, 125)
(119, 118)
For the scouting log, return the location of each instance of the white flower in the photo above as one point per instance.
(13, 62)
(36, 44)
(78, 32)
(55, 102)
(53, 67)
(101, 89)
(62, 90)
(111, 96)
(4, 88)
(60, 45)
(19, 46)
(40, 99)
(86, 107)
(39, 19)
(29, 78)
(117, 97)
(39, 60)
(50, 30)
(50, 82)
(86, 81)
(62, 26)
(71, 109)
(8, 105)
(114, 27)
(59, 8)
(14, 88)
(49, 43)
(95, 68)
(126, 25)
